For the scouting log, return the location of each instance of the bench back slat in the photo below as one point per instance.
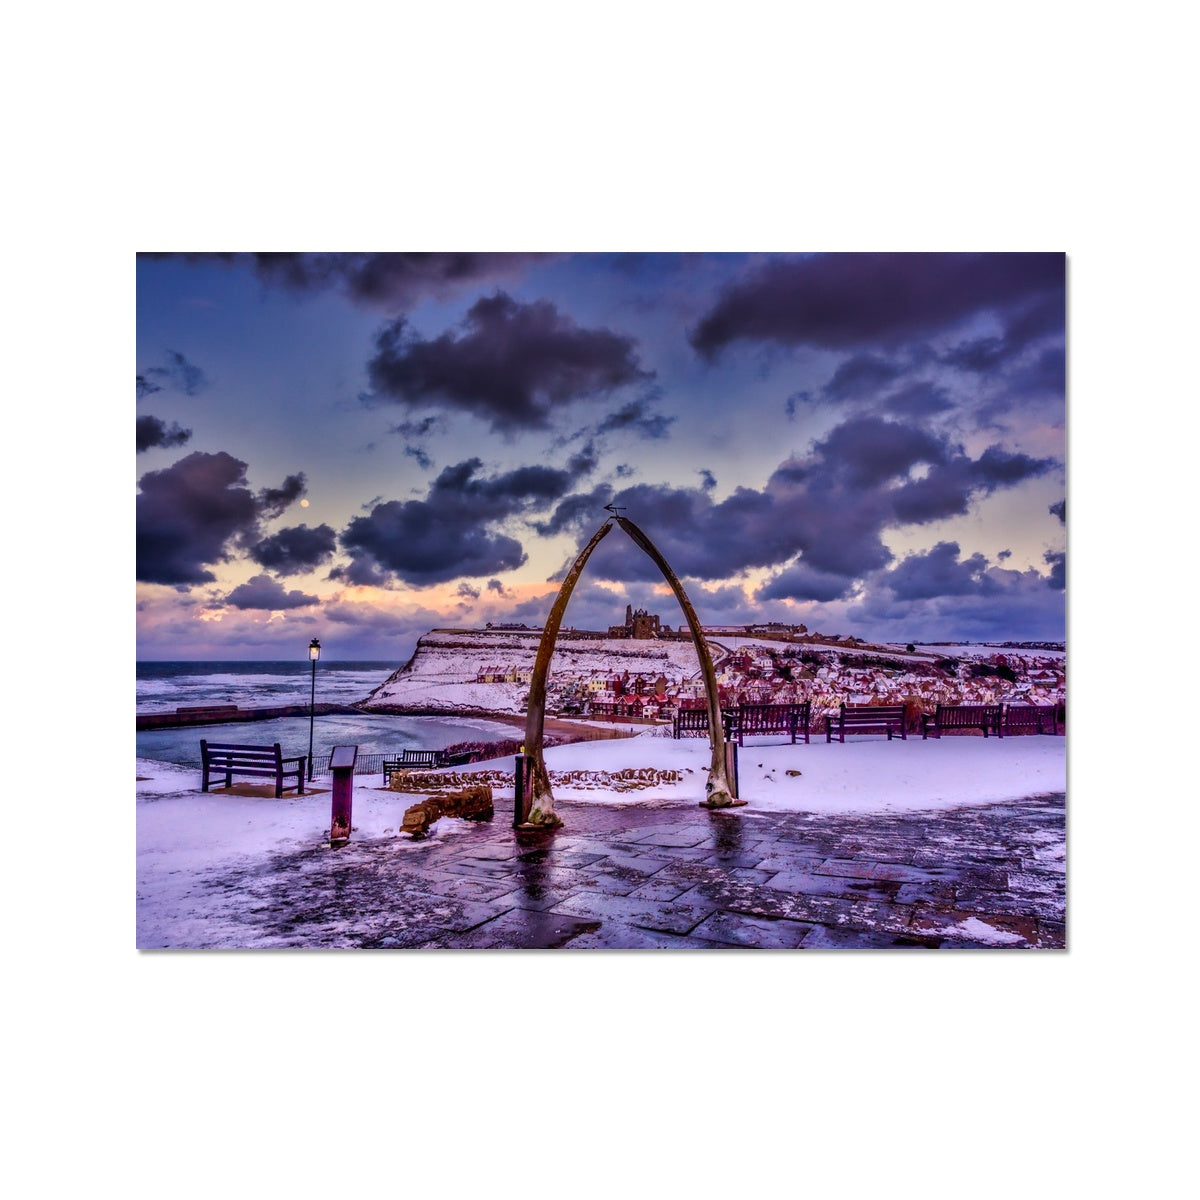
(880, 712)
(222, 747)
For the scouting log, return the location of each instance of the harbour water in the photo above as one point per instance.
(165, 686)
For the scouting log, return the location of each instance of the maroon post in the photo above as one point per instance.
(341, 764)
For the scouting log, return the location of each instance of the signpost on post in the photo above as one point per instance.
(341, 764)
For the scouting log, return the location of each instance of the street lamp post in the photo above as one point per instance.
(314, 652)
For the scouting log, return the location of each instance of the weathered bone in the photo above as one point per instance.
(541, 804)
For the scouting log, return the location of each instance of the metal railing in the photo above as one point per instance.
(364, 764)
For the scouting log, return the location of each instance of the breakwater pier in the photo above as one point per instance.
(225, 714)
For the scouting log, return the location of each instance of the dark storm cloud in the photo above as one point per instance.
(420, 456)
(708, 481)
(501, 495)
(146, 388)
(583, 462)
(448, 534)
(275, 500)
(801, 582)
(846, 301)
(1059, 510)
(151, 433)
(940, 572)
(494, 585)
(867, 381)
(1058, 568)
(195, 513)
(636, 417)
(577, 512)
(295, 550)
(996, 467)
(414, 430)
(868, 450)
(467, 591)
(978, 354)
(1044, 316)
(830, 508)
(263, 592)
(421, 544)
(949, 487)
(389, 281)
(862, 377)
(927, 593)
(178, 374)
(511, 364)
(918, 399)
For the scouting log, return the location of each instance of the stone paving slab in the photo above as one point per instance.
(518, 929)
(660, 890)
(756, 932)
(616, 935)
(822, 910)
(656, 876)
(667, 916)
(831, 885)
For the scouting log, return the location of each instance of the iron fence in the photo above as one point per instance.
(364, 764)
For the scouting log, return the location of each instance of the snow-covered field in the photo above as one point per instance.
(182, 833)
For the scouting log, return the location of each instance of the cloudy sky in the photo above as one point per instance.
(359, 447)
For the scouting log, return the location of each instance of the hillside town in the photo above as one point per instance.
(644, 671)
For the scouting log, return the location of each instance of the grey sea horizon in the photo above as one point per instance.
(164, 686)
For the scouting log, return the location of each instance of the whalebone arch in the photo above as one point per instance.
(540, 796)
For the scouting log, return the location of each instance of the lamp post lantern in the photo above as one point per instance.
(314, 652)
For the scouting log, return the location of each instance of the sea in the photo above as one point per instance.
(165, 686)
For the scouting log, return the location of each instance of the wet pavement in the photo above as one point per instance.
(671, 877)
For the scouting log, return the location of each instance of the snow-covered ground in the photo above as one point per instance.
(182, 833)
(442, 675)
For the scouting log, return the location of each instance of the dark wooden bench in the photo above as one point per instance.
(791, 719)
(961, 716)
(695, 720)
(1018, 717)
(408, 759)
(866, 718)
(229, 760)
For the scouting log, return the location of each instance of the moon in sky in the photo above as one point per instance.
(303, 503)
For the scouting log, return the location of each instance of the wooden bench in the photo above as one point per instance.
(695, 720)
(407, 759)
(866, 718)
(961, 716)
(1017, 717)
(754, 719)
(230, 760)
